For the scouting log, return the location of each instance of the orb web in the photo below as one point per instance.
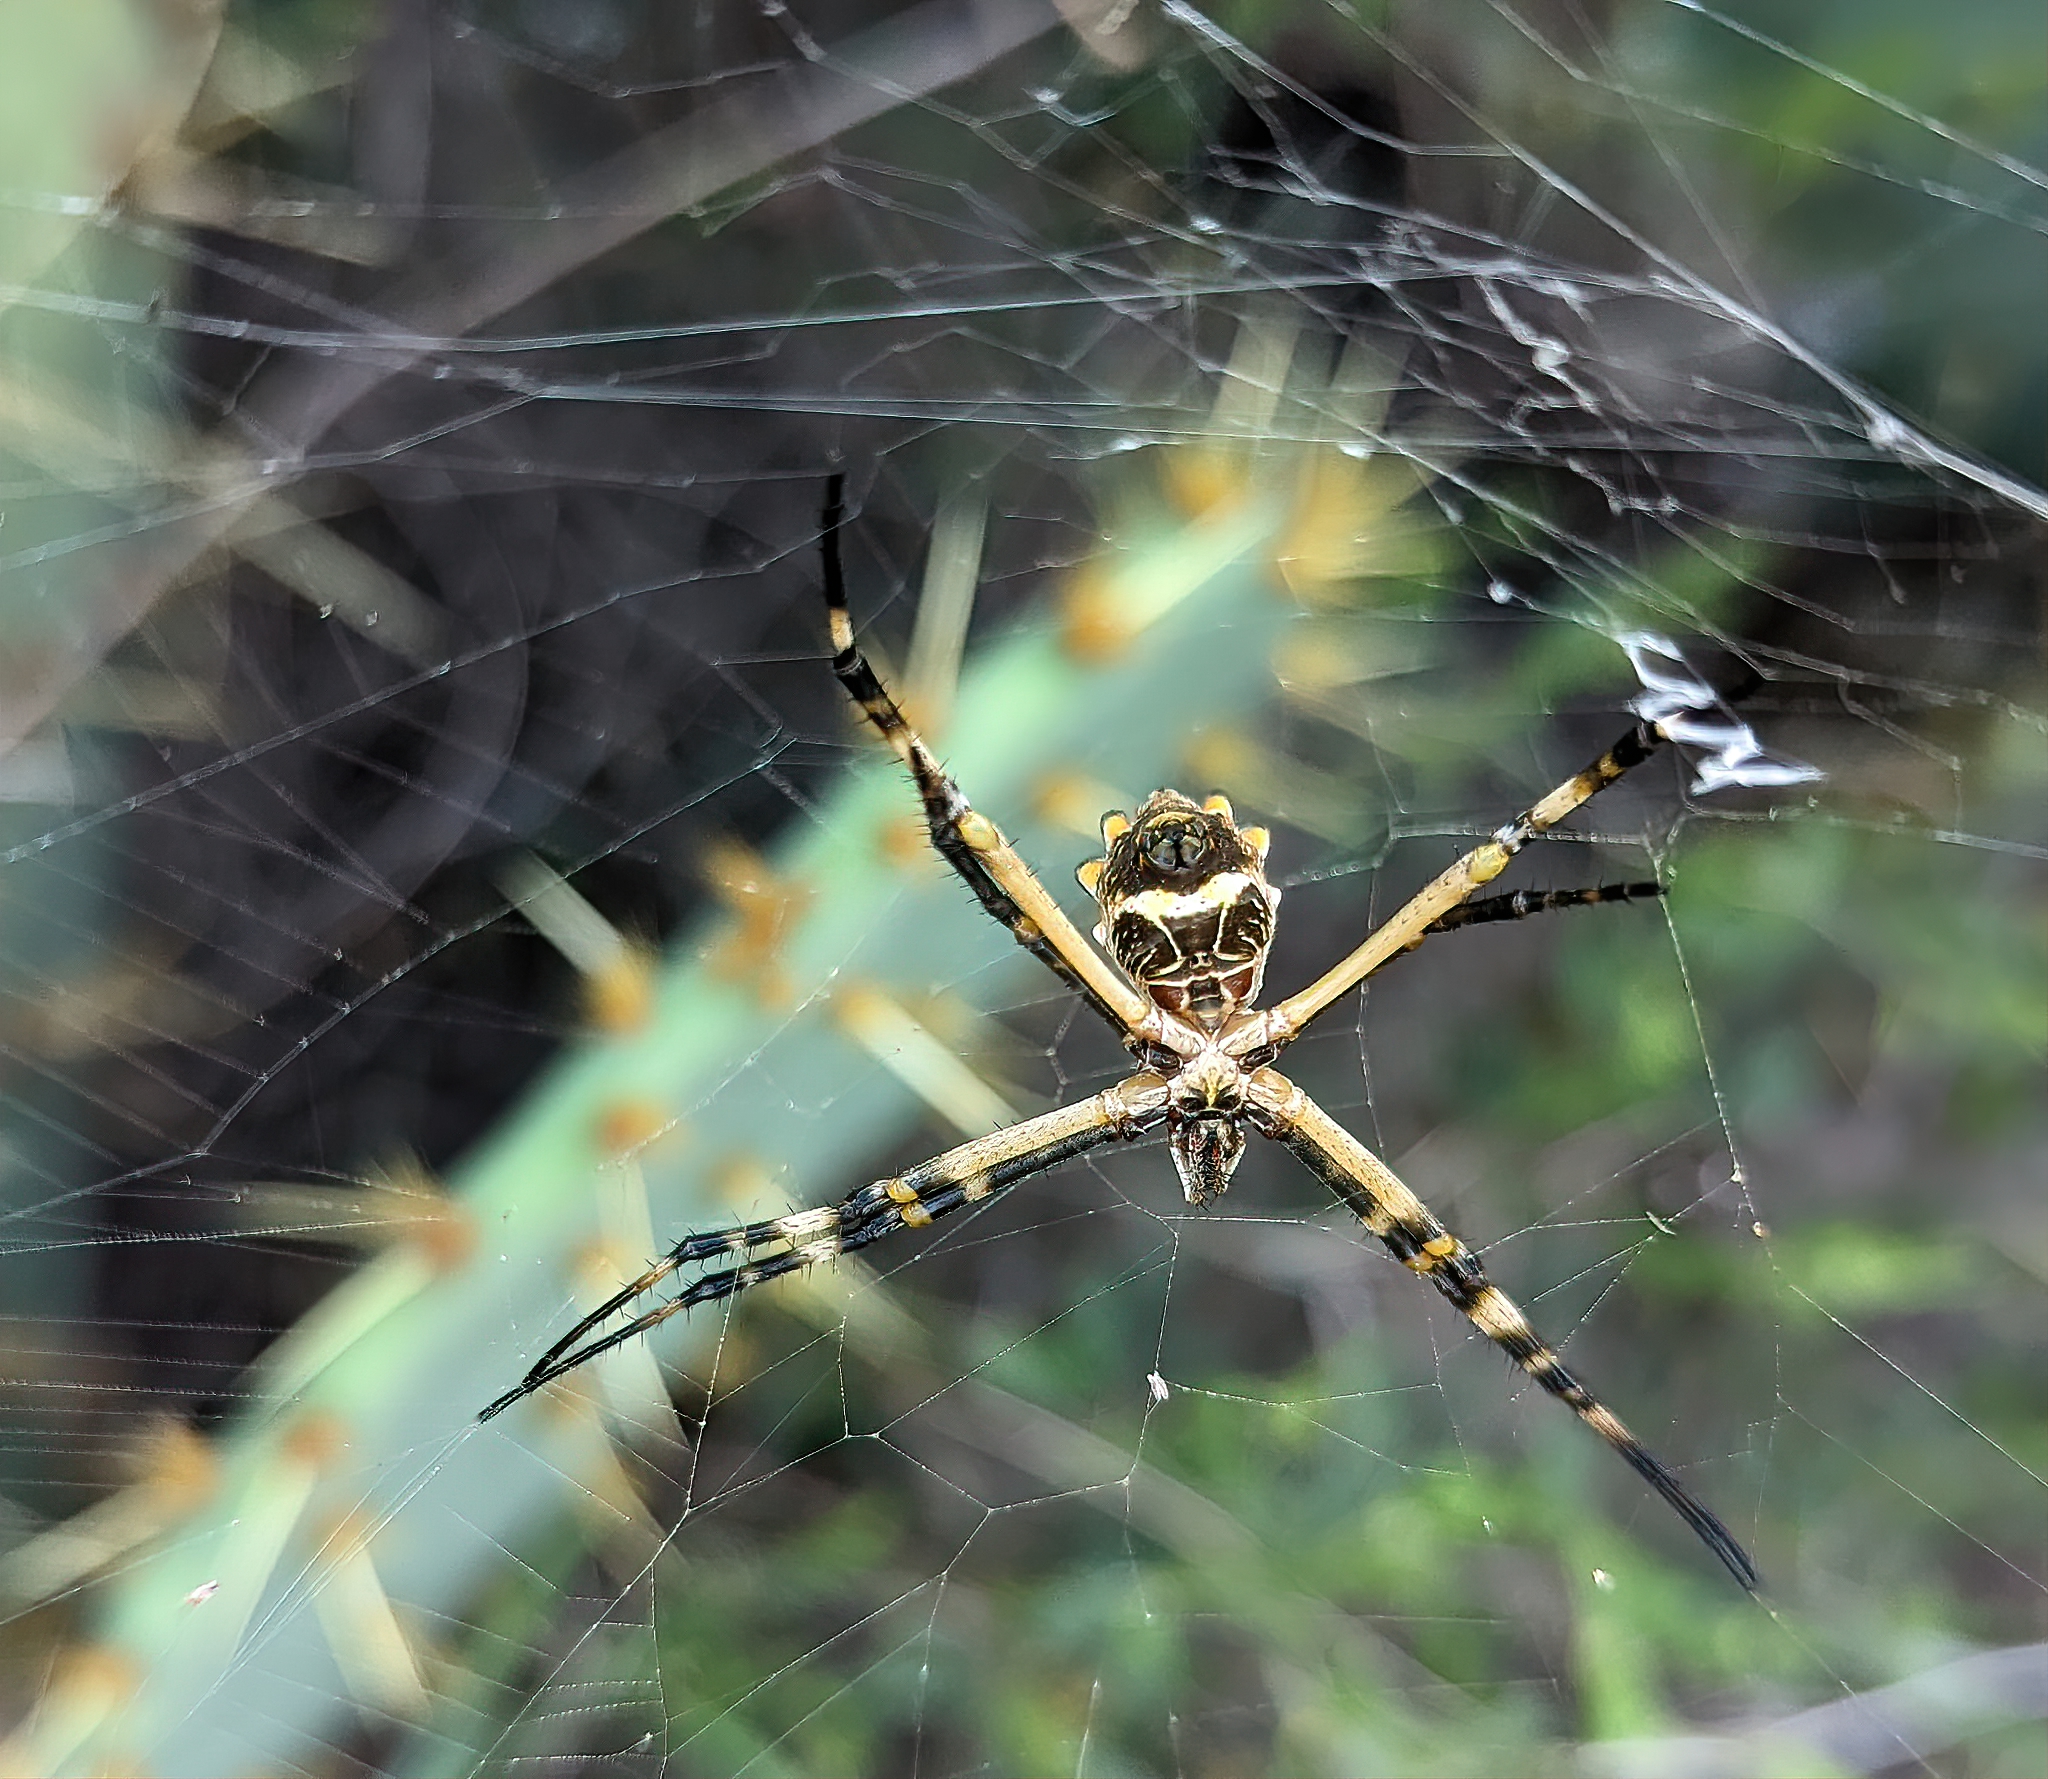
(440, 871)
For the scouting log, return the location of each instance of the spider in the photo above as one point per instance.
(1186, 922)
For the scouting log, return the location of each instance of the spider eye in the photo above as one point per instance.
(1176, 846)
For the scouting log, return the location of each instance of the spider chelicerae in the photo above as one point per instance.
(1186, 920)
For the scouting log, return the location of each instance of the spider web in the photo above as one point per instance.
(440, 869)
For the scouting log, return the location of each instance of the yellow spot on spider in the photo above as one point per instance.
(1090, 874)
(1431, 1254)
(978, 833)
(1258, 839)
(1489, 861)
(915, 1216)
(1219, 805)
(1115, 825)
(900, 1191)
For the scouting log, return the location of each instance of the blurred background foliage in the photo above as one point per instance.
(438, 869)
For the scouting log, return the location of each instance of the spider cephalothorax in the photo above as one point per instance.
(1186, 908)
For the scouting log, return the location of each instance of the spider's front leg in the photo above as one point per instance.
(1433, 907)
(972, 844)
(970, 1174)
(1520, 904)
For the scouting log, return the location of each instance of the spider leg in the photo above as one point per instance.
(1413, 1235)
(1410, 923)
(1521, 903)
(969, 1174)
(968, 840)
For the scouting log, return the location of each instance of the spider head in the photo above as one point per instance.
(1175, 845)
(1186, 908)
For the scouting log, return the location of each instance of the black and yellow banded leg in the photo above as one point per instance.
(1448, 890)
(969, 1174)
(1420, 1242)
(967, 840)
(1520, 904)
(1623, 757)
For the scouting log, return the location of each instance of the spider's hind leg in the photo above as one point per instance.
(1457, 1273)
(1421, 1243)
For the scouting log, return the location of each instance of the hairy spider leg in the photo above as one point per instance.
(1410, 923)
(1414, 1236)
(1520, 904)
(969, 1174)
(970, 842)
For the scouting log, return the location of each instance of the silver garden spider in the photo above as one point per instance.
(1187, 918)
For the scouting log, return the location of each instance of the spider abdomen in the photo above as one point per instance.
(1186, 908)
(1199, 953)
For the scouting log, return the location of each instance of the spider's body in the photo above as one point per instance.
(1187, 916)
(1186, 908)
(1188, 913)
